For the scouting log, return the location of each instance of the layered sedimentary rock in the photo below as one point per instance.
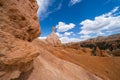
(108, 45)
(111, 42)
(53, 39)
(18, 17)
(18, 26)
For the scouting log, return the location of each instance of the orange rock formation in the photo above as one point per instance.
(53, 39)
(18, 18)
(18, 26)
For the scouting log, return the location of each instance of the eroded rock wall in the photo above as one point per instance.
(18, 27)
(19, 18)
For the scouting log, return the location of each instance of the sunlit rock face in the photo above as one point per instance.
(19, 18)
(18, 26)
(53, 39)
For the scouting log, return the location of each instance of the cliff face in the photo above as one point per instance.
(18, 22)
(108, 45)
(18, 17)
(103, 42)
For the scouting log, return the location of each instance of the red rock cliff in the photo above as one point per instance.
(19, 18)
(18, 26)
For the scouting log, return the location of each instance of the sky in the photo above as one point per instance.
(77, 20)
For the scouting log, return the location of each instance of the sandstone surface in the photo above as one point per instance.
(106, 68)
(18, 26)
(50, 67)
(53, 39)
(19, 18)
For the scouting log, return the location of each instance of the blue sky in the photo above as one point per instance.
(77, 20)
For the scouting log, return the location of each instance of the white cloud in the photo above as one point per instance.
(108, 1)
(64, 35)
(42, 37)
(59, 35)
(59, 6)
(62, 27)
(67, 39)
(68, 33)
(111, 12)
(109, 22)
(73, 2)
(84, 37)
(44, 5)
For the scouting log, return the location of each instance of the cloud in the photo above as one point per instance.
(68, 39)
(59, 34)
(63, 34)
(42, 37)
(104, 24)
(68, 33)
(73, 2)
(84, 37)
(44, 5)
(111, 13)
(108, 1)
(59, 6)
(62, 27)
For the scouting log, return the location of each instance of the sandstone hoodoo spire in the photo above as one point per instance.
(53, 29)
(53, 39)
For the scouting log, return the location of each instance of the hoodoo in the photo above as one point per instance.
(53, 39)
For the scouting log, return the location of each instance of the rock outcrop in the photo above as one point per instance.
(111, 42)
(53, 39)
(19, 20)
(108, 45)
(18, 26)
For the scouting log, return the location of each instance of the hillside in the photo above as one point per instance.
(111, 44)
(104, 42)
(104, 67)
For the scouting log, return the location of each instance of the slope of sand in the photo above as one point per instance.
(101, 66)
(104, 67)
(49, 67)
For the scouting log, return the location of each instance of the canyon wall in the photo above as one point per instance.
(18, 27)
(19, 18)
